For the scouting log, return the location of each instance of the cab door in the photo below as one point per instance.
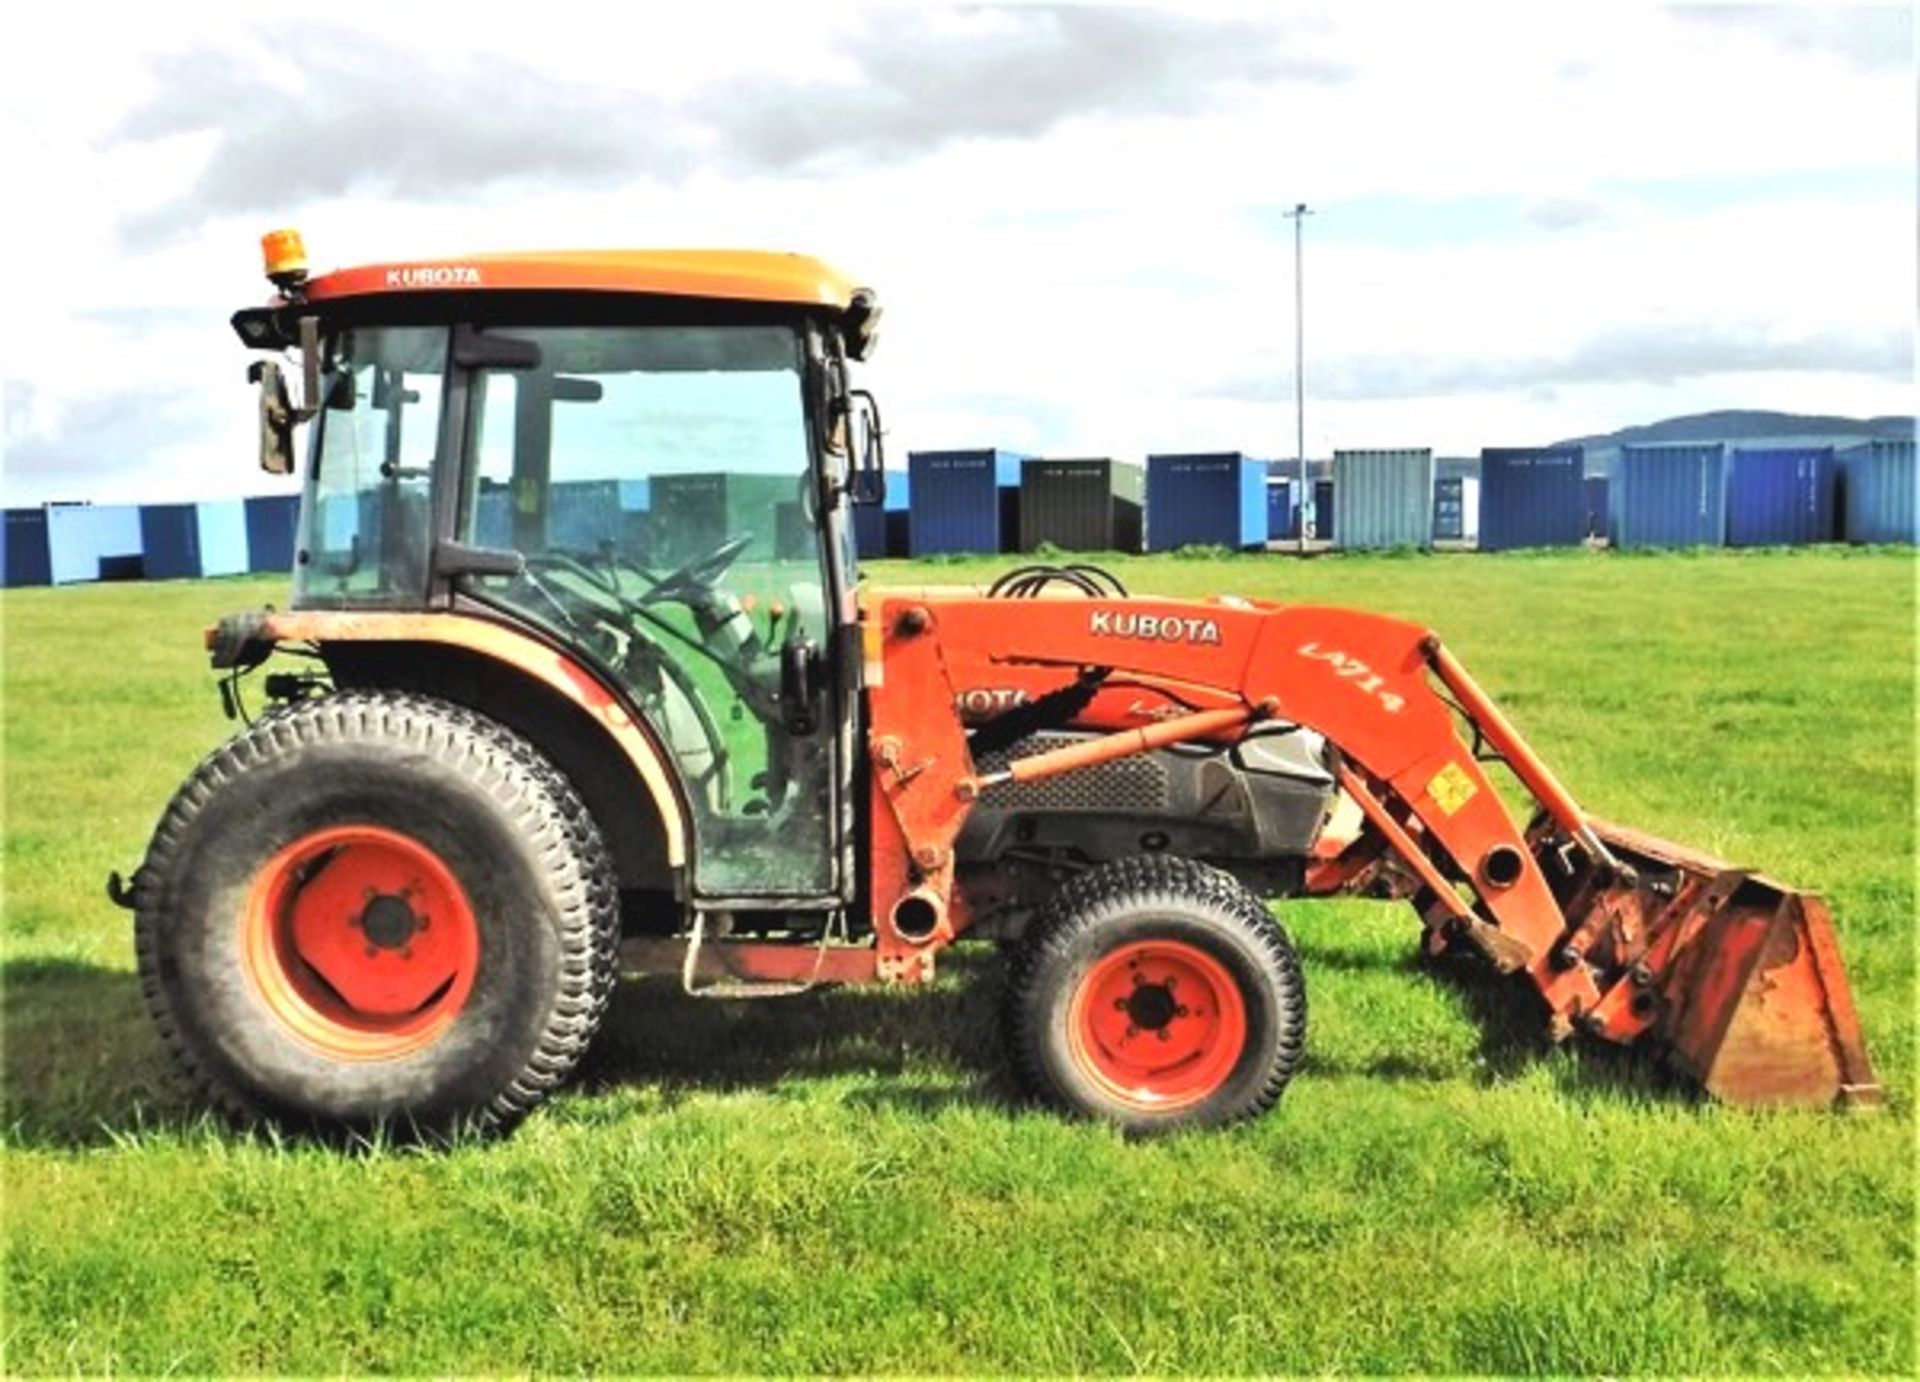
(659, 485)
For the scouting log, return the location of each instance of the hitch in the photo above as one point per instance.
(120, 891)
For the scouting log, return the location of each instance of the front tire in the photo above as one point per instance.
(1156, 993)
(376, 910)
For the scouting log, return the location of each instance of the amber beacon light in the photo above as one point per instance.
(286, 257)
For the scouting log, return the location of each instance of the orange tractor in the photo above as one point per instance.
(578, 679)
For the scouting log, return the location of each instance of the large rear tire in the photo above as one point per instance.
(1156, 993)
(377, 910)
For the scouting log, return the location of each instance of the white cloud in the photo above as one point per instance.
(1613, 213)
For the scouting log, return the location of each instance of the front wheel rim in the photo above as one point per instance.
(1159, 1025)
(360, 942)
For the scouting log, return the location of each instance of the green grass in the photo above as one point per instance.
(843, 1182)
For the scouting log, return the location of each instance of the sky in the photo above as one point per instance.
(1528, 222)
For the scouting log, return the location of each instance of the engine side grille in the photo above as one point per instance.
(1137, 784)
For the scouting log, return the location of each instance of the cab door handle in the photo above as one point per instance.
(800, 685)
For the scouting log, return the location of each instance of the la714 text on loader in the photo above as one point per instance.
(577, 679)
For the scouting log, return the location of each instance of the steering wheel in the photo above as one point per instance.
(594, 598)
(689, 582)
(597, 600)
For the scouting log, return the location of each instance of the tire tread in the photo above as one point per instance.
(523, 785)
(1085, 903)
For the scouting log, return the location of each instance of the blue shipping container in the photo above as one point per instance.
(1213, 499)
(587, 516)
(1456, 508)
(880, 530)
(1283, 515)
(87, 542)
(271, 520)
(1532, 497)
(899, 497)
(24, 539)
(1596, 492)
(1782, 496)
(223, 537)
(1878, 483)
(493, 518)
(1669, 496)
(1449, 522)
(869, 531)
(170, 542)
(963, 501)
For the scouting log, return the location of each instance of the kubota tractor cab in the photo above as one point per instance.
(577, 678)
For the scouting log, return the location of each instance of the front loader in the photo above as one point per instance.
(578, 679)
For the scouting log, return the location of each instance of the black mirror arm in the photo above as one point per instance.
(458, 559)
(310, 369)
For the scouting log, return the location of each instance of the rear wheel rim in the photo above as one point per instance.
(360, 942)
(1159, 1025)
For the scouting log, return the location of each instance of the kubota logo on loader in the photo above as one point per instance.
(1363, 677)
(435, 276)
(984, 702)
(1156, 628)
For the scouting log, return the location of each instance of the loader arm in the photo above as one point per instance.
(1623, 936)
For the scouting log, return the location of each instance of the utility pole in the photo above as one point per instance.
(1298, 216)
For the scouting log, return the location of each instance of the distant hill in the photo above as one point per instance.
(1744, 424)
(1743, 427)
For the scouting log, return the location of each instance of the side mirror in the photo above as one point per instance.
(276, 417)
(867, 465)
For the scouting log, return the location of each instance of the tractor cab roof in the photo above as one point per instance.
(746, 276)
(741, 280)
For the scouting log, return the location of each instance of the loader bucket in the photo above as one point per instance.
(1737, 976)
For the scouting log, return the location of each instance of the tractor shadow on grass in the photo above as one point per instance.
(80, 1062)
(656, 1034)
(1511, 1022)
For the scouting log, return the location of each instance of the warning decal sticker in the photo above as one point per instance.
(1451, 789)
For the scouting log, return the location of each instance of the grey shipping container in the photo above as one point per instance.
(1877, 485)
(1531, 497)
(1383, 498)
(1209, 499)
(1780, 497)
(1080, 505)
(963, 501)
(693, 514)
(26, 560)
(1669, 496)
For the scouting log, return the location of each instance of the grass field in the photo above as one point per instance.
(844, 1183)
